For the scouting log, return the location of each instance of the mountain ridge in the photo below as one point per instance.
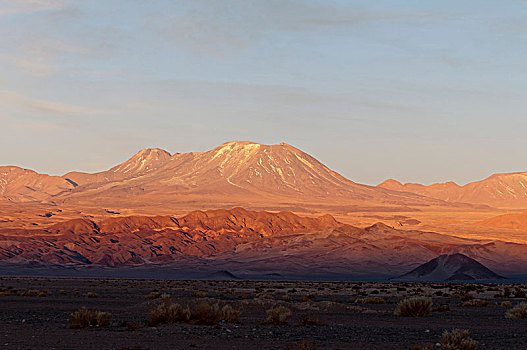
(246, 242)
(507, 190)
(234, 173)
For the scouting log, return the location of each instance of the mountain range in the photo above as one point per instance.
(247, 243)
(508, 190)
(249, 209)
(241, 173)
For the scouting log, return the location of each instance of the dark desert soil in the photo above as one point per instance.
(40, 318)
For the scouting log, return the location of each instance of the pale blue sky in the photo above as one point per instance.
(420, 91)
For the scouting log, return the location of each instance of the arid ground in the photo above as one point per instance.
(37, 313)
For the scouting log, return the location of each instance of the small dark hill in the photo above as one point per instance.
(453, 267)
(222, 275)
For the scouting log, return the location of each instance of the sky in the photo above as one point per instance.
(419, 91)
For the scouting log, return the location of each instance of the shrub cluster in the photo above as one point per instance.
(519, 311)
(278, 315)
(84, 318)
(168, 312)
(414, 307)
(458, 339)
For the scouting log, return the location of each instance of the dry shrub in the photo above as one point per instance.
(506, 304)
(310, 320)
(414, 307)
(458, 339)
(301, 345)
(200, 294)
(168, 312)
(422, 347)
(203, 313)
(264, 296)
(230, 314)
(153, 295)
(84, 318)
(374, 300)
(476, 302)
(30, 293)
(278, 315)
(519, 311)
(132, 326)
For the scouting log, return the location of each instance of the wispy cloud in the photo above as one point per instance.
(207, 25)
(18, 100)
(37, 57)
(16, 7)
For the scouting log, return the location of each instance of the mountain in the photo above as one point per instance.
(142, 162)
(506, 221)
(252, 243)
(233, 174)
(507, 190)
(453, 267)
(24, 185)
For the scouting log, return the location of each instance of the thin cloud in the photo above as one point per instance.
(17, 7)
(209, 26)
(10, 98)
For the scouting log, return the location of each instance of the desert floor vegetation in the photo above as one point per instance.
(84, 318)
(135, 314)
(519, 311)
(458, 339)
(414, 307)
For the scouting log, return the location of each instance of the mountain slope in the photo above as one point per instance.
(506, 221)
(146, 160)
(449, 268)
(235, 173)
(247, 242)
(508, 190)
(23, 185)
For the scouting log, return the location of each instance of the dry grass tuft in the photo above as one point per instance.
(278, 315)
(506, 304)
(84, 318)
(458, 339)
(476, 302)
(153, 295)
(414, 307)
(374, 300)
(310, 320)
(200, 294)
(519, 311)
(301, 345)
(203, 313)
(168, 313)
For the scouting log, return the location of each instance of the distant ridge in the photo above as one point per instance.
(453, 267)
(227, 244)
(507, 190)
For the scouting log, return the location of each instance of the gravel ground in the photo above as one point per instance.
(35, 314)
